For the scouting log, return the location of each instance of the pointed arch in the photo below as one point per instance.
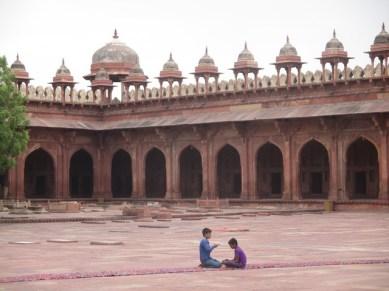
(270, 171)
(39, 177)
(191, 173)
(155, 173)
(121, 174)
(362, 174)
(314, 170)
(229, 172)
(81, 175)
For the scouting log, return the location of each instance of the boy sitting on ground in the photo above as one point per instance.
(205, 251)
(240, 258)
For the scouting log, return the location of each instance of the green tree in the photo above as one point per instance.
(13, 120)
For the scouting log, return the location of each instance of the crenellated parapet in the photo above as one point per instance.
(307, 78)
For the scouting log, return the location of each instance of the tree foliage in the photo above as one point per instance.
(13, 120)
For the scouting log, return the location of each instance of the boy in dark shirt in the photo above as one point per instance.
(205, 251)
(240, 259)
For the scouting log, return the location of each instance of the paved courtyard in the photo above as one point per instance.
(337, 236)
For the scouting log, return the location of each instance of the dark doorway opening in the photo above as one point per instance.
(81, 175)
(155, 174)
(314, 171)
(362, 170)
(191, 173)
(269, 172)
(121, 175)
(229, 176)
(39, 175)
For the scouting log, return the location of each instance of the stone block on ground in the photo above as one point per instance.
(64, 207)
(138, 212)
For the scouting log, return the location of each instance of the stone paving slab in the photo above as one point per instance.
(303, 238)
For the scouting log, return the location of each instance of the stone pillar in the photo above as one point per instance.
(287, 191)
(333, 175)
(295, 171)
(141, 168)
(58, 170)
(252, 170)
(106, 162)
(65, 171)
(205, 165)
(169, 172)
(342, 170)
(175, 157)
(135, 160)
(383, 167)
(212, 172)
(97, 174)
(20, 194)
(244, 169)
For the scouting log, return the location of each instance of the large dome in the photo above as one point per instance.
(115, 52)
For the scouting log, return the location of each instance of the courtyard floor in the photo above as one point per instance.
(301, 237)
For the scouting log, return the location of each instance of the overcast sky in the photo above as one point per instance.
(44, 31)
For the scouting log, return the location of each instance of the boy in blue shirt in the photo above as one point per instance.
(205, 251)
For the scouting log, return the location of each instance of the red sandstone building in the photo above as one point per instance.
(297, 135)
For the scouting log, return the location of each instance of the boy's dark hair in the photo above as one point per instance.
(233, 241)
(206, 230)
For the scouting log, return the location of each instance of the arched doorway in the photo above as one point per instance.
(270, 173)
(39, 175)
(191, 173)
(155, 174)
(314, 171)
(229, 176)
(362, 170)
(121, 175)
(81, 175)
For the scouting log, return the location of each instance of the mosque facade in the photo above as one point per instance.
(294, 136)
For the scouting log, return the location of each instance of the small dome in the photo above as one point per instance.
(170, 65)
(382, 37)
(63, 70)
(334, 43)
(246, 55)
(102, 74)
(288, 49)
(115, 52)
(137, 70)
(17, 64)
(206, 59)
